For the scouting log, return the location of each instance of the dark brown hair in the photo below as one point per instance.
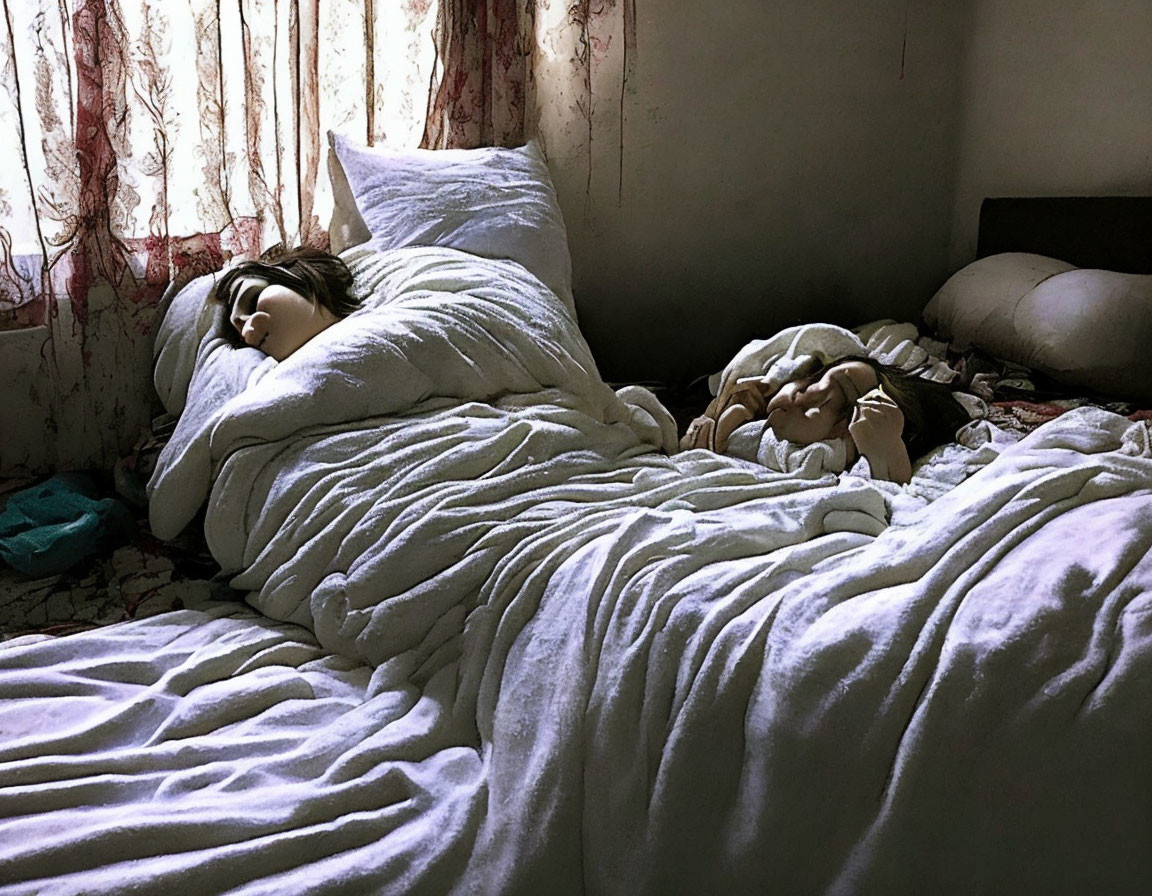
(317, 275)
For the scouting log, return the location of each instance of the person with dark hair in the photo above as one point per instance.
(881, 412)
(281, 301)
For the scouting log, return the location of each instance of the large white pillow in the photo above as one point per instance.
(1088, 329)
(190, 330)
(188, 320)
(492, 202)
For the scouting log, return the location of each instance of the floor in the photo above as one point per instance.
(141, 576)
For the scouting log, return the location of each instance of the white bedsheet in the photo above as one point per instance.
(520, 651)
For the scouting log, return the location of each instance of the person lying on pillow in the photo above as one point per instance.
(880, 412)
(278, 303)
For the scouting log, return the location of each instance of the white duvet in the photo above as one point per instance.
(499, 643)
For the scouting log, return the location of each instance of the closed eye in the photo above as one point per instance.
(244, 304)
(245, 301)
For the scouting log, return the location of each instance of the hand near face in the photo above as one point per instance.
(875, 428)
(746, 402)
(736, 404)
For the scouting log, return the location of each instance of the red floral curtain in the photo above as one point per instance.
(490, 54)
(131, 152)
(484, 51)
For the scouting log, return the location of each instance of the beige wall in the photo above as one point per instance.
(1057, 101)
(777, 168)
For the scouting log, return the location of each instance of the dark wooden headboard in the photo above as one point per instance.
(1112, 233)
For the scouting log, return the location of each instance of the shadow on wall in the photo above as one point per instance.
(762, 164)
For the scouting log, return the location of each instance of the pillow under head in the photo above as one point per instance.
(188, 320)
(493, 202)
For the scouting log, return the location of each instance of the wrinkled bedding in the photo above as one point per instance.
(497, 641)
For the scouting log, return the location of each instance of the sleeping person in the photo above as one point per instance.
(857, 406)
(278, 303)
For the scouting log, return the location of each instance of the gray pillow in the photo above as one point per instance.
(1088, 329)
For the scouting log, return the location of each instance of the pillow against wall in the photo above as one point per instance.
(492, 202)
(1088, 329)
(347, 228)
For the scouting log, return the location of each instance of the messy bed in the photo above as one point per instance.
(497, 640)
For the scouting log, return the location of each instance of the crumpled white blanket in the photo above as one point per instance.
(524, 652)
(437, 325)
(457, 415)
(638, 697)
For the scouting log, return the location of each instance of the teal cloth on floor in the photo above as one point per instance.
(50, 527)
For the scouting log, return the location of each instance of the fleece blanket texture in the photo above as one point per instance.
(499, 643)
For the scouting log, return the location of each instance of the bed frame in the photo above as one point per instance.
(1107, 232)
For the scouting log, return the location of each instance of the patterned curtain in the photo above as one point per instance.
(499, 61)
(148, 141)
(487, 55)
(127, 146)
(484, 52)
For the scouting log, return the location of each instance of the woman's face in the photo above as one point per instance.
(273, 318)
(819, 407)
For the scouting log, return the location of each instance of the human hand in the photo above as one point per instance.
(743, 402)
(876, 426)
(877, 422)
(734, 406)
